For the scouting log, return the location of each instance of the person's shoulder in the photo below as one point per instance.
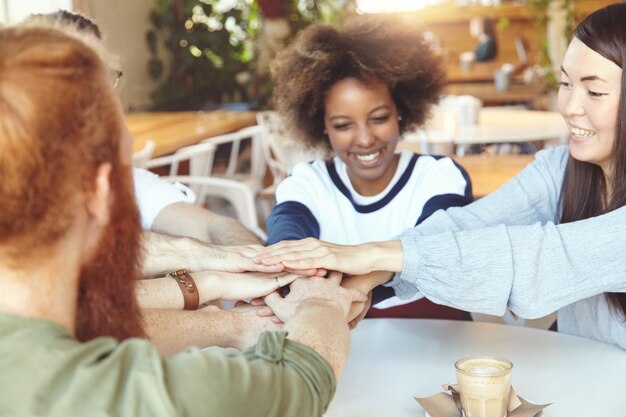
(141, 175)
(318, 171)
(554, 152)
(556, 157)
(314, 167)
(307, 182)
(436, 163)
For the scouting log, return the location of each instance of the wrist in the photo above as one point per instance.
(321, 304)
(209, 285)
(386, 256)
(189, 290)
(198, 255)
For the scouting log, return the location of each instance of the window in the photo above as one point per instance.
(13, 11)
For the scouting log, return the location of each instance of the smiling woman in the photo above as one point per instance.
(551, 238)
(355, 91)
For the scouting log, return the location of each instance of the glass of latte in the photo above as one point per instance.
(484, 384)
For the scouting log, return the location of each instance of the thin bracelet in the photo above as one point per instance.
(188, 288)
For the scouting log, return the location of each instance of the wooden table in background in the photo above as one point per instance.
(487, 172)
(517, 93)
(173, 130)
(490, 172)
(479, 72)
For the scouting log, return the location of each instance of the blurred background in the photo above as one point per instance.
(206, 54)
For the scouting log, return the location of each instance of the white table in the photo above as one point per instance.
(393, 360)
(495, 125)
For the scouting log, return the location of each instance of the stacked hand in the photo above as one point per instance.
(249, 324)
(240, 259)
(313, 256)
(216, 285)
(365, 283)
(313, 290)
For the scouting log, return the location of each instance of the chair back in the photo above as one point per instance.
(140, 158)
(235, 192)
(282, 151)
(193, 160)
(253, 173)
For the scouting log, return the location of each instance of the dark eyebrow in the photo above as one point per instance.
(382, 106)
(592, 78)
(586, 78)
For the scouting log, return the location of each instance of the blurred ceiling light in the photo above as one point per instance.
(391, 6)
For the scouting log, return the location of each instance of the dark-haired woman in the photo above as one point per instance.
(356, 90)
(553, 238)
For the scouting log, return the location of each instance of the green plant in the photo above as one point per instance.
(211, 49)
(538, 11)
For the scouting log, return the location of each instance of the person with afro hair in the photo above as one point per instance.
(355, 91)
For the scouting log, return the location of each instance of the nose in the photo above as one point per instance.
(364, 136)
(574, 104)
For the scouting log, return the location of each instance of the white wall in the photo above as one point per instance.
(13, 11)
(124, 24)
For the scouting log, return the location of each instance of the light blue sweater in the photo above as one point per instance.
(507, 251)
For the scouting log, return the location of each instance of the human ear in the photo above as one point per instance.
(98, 203)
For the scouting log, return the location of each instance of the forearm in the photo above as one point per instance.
(165, 293)
(164, 253)
(529, 197)
(533, 270)
(383, 256)
(173, 330)
(183, 219)
(322, 327)
(230, 232)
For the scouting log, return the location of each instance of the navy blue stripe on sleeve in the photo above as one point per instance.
(291, 221)
(444, 201)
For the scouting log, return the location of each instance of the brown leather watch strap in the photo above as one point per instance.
(188, 287)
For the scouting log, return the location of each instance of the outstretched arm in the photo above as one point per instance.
(184, 219)
(164, 293)
(164, 253)
(174, 330)
(311, 254)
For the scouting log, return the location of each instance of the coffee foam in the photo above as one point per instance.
(483, 366)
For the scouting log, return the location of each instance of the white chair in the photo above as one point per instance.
(200, 158)
(200, 166)
(140, 158)
(252, 175)
(282, 152)
(274, 136)
(236, 193)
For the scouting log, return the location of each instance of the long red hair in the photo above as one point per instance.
(51, 143)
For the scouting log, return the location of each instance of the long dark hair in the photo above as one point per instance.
(584, 192)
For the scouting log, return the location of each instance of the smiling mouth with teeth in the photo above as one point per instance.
(582, 132)
(368, 157)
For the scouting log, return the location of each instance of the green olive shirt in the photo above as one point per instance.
(44, 371)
